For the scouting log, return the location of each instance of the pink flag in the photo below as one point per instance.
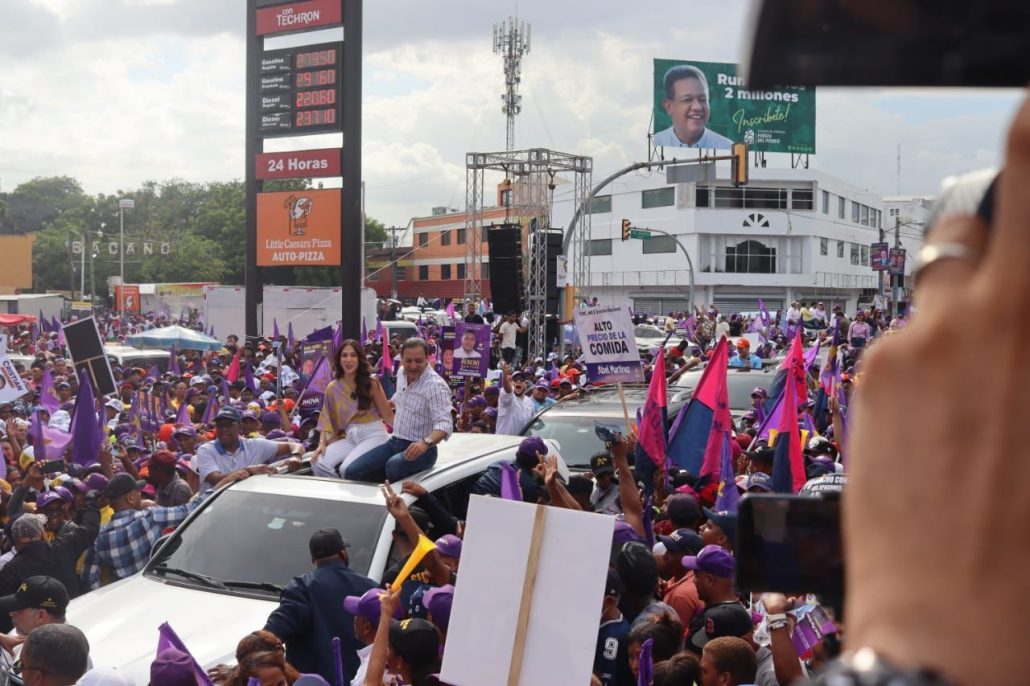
(721, 422)
(651, 436)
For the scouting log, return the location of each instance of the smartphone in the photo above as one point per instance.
(53, 466)
(790, 544)
(607, 432)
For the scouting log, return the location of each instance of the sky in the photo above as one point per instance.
(119, 92)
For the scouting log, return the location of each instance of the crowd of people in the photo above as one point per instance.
(173, 436)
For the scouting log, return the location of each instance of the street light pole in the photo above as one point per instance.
(123, 204)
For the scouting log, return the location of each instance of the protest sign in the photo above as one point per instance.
(471, 353)
(12, 386)
(87, 352)
(529, 601)
(610, 350)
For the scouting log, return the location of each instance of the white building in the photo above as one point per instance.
(789, 234)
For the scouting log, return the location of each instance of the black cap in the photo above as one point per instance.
(325, 543)
(230, 413)
(637, 568)
(41, 592)
(601, 463)
(724, 619)
(683, 542)
(416, 640)
(613, 585)
(121, 485)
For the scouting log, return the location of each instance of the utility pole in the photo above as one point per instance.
(123, 204)
(511, 42)
(394, 230)
(896, 278)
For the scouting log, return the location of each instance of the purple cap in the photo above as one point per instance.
(97, 482)
(367, 605)
(491, 411)
(76, 485)
(187, 430)
(713, 559)
(449, 545)
(543, 384)
(65, 493)
(172, 667)
(271, 418)
(438, 602)
(48, 498)
(248, 414)
(275, 434)
(492, 390)
(478, 401)
(532, 445)
(624, 533)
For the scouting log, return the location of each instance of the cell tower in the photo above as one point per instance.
(511, 42)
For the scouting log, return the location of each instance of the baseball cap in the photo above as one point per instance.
(759, 482)
(601, 463)
(438, 601)
(613, 584)
(97, 482)
(449, 545)
(47, 498)
(724, 619)
(41, 592)
(165, 457)
(415, 640)
(713, 559)
(683, 542)
(121, 485)
(727, 521)
(115, 404)
(28, 525)
(230, 413)
(478, 401)
(492, 390)
(271, 418)
(325, 543)
(636, 567)
(367, 605)
(185, 431)
(532, 445)
(542, 384)
(248, 414)
(172, 667)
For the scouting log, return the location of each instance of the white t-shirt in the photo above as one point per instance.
(508, 332)
(211, 457)
(513, 413)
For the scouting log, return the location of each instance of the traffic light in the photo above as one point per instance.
(625, 229)
(739, 164)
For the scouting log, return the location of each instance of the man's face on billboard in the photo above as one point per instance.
(468, 341)
(688, 109)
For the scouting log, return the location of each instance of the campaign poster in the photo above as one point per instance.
(606, 334)
(311, 352)
(707, 105)
(442, 358)
(879, 256)
(470, 355)
(12, 386)
(897, 262)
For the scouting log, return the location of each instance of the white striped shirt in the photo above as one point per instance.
(422, 407)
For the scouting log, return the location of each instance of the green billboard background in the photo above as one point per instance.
(777, 120)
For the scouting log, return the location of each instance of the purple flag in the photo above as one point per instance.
(225, 392)
(337, 340)
(289, 335)
(84, 425)
(55, 323)
(510, 489)
(48, 394)
(275, 328)
(210, 410)
(319, 379)
(248, 376)
(645, 673)
(173, 361)
(154, 373)
(338, 662)
(728, 496)
(36, 438)
(44, 325)
(380, 332)
(364, 332)
(167, 638)
(183, 418)
(764, 312)
(33, 332)
(60, 338)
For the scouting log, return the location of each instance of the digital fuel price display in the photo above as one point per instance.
(299, 90)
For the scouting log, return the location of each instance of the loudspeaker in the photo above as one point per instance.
(554, 251)
(506, 286)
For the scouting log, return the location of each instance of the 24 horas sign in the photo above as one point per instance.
(707, 105)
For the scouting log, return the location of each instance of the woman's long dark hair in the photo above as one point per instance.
(363, 375)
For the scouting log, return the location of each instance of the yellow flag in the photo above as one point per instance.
(420, 551)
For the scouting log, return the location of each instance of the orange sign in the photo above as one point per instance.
(127, 298)
(297, 228)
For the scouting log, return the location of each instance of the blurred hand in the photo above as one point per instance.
(413, 488)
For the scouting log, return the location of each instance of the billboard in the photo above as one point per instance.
(879, 256)
(298, 228)
(127, 299)
(685, 115)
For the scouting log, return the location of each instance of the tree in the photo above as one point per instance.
(194, 258)
(39, 201)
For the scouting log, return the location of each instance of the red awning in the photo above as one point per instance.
(16, 319)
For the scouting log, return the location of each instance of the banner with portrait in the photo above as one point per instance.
(470, 356)
(442, 358)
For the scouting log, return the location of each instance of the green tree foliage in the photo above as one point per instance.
(39, 201)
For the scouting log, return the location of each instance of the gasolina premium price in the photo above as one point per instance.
(299, 90)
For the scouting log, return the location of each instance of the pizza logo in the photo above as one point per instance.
(298, 208)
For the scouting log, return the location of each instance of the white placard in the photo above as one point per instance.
(12, 386)
(610, 349)
(565, 614)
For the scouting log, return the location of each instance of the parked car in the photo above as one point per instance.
(648, 337)
(428, 316)
(219, 575)
(400, 328)
(571, 422)
(739, 384)
(128, 356)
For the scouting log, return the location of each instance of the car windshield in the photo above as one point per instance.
(263, 537)
(575, 435)
(647, 332)
(739, 384)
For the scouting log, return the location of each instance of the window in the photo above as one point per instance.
(506, 198)
(423, 271)
(601, 246)
(601, 204)
(402, 273)
(445, 237)
(461, 237)
(801, 198)
(750, 257)
(826, 202)
(659, 244)
(840, 210)
(752, 198)
(824, 246)
(840, 248)
(423, 240)
(854, 254)
(856, 211)
(461, 271)
(658, 197)
(484, 270)
(865, 256)
(445, 272)
(702, 197)
(865, 215)
(894, 212)
(875, 221)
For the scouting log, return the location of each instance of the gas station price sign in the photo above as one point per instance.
(299, 90)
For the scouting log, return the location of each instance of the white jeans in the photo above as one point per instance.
(359, 440)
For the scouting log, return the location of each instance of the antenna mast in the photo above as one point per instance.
(511, 42)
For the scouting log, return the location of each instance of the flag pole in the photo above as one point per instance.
(625, 411)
